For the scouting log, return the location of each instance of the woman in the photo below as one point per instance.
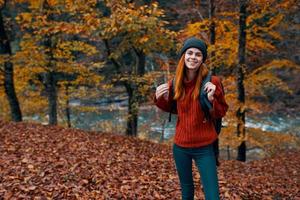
(194, 134)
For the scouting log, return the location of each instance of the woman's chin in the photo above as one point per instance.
(192, 68)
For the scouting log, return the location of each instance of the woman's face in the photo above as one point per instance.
(193, 58)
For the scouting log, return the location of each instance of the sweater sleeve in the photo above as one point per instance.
(220, 106)
(167, 105)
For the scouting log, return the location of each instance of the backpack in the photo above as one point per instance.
(206, 106)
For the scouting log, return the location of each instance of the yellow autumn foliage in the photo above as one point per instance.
(270, 142)
(35, 58)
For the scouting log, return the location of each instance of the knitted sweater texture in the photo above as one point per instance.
(192, 128)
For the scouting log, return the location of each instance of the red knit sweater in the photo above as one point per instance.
(192, 130)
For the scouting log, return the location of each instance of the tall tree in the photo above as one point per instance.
(130, 33)
(49, 49)
(8, 70)
(212, 30)
(241, 67)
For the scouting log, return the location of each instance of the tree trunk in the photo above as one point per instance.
(241, 131)
(228, 152)
(68, 112)
(141, 62)
(131, 88)
(50, 82)
(212, 30)
(5, 48)
(16, 114)
(132, 118)
(52, 98)
(133, 96)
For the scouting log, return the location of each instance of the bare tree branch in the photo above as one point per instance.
(200, 15)
(108, 50)
(1, 69)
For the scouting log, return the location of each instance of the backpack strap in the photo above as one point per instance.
(204, 102)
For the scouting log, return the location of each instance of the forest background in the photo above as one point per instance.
(94, 65)
(77, 81)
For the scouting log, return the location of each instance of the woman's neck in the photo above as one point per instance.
(190, 74)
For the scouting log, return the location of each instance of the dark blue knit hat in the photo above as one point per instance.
(196, 43)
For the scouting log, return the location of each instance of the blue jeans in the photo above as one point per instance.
(205, 161)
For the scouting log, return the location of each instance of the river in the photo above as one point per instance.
(152, 120)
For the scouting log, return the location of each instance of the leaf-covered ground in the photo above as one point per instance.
(50, 162)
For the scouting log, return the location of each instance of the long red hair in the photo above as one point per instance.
(180, 73)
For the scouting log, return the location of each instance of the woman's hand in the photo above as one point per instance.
(162, 89)
(210, 88)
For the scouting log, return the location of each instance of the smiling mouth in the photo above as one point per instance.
(192, 60)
